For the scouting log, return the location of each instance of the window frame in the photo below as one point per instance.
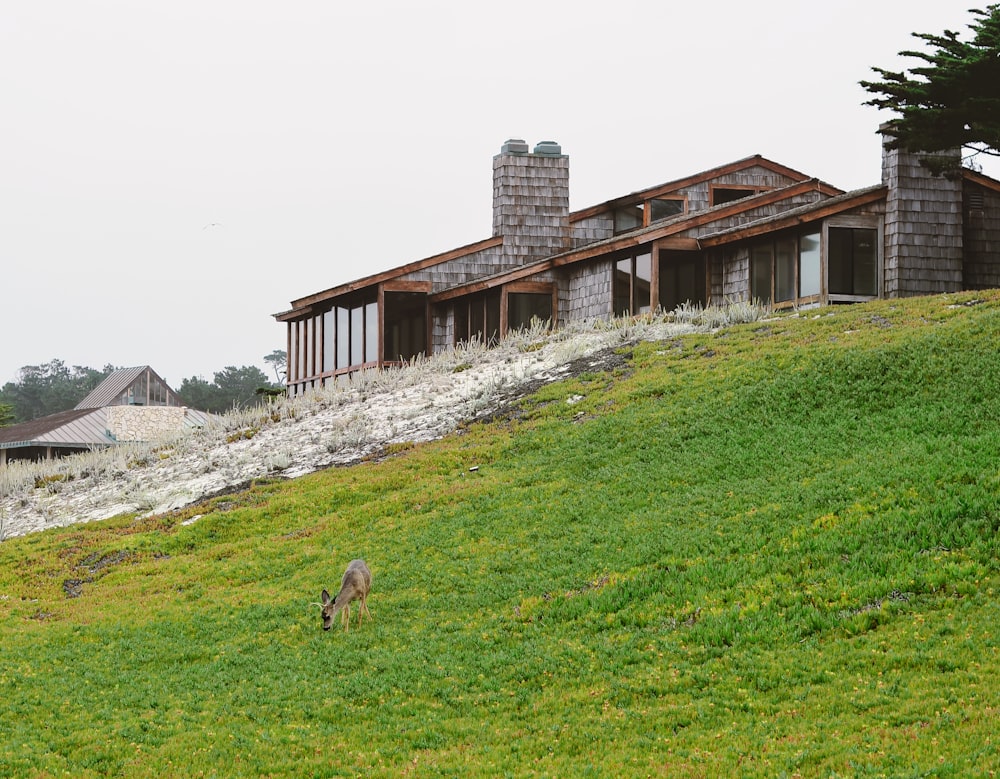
(861, 222)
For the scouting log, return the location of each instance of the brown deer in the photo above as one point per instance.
(355, 585)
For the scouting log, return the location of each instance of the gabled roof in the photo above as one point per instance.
(302, 305)
(109, 390)
(113, 386)
(645, 235)
(688, 181)
(79, 427)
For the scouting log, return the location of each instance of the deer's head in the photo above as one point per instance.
(329, 609)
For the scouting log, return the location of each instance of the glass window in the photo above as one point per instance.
(405, 334)
(664, 208)
(729, 194)
(643, 283)
(628, 218)
(523, 307)
(462, 321)
(784, 269)
(632, 284)
(865, 262)
(371, 331)
(303, 342)
(477, 317)
(308, 346)
(760, 273)
(343, 337)
(623, 287)
(493, 316)
(329, 340)
(809, 265)
(357, 335)
(682, 279)
(853, 261)
(293, 351)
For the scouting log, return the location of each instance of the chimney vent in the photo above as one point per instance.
(548, 149)
(514, 146)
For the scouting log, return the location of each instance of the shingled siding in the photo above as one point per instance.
(923, 228)
(982, 237)
(595, 228)
(460, 270)
(588, 291)
(731, 276)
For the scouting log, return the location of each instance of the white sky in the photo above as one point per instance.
(173, 173)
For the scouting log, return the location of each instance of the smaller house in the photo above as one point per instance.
(131, 404)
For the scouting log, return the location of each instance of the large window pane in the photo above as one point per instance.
(329, 339)
(642, 283)
(623, 287)
(405, 335)
(522, 307)
(371, 332)
(343, 337)
(303, 346)
(809, 269)
(628, 218)
(477, 318)
(293, 353)
(664, 209)
(853, 261)
(865, 262)
(309, 345)
(784, 270)
(493, 316)
(357, 335)
(760, 273)
(682, 279)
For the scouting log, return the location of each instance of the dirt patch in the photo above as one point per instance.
(510, 405)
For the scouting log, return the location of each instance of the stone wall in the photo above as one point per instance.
(144, 423)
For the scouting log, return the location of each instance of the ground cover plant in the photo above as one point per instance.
(766, 550)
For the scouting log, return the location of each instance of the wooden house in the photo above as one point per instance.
(750, 229)
(131, 404)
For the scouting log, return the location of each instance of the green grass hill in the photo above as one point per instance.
(770, 550)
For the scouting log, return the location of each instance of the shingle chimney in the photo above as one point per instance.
(531, 201)
(923, 224)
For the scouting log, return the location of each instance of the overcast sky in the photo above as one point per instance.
(174, 173)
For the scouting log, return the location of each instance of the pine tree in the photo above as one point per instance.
(950, 102)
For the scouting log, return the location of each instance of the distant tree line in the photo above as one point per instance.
(46, 389)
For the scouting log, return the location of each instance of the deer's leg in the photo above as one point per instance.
(346, 618)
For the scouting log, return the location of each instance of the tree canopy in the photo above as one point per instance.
(50, 388)
(232, 388)
(53, 387)
(952, 100)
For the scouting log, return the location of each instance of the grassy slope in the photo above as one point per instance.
(771, 550)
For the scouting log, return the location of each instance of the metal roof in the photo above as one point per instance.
(77, 428)
(111, 389)
(115, 384)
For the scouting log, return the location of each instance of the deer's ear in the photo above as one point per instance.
(326, 597)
